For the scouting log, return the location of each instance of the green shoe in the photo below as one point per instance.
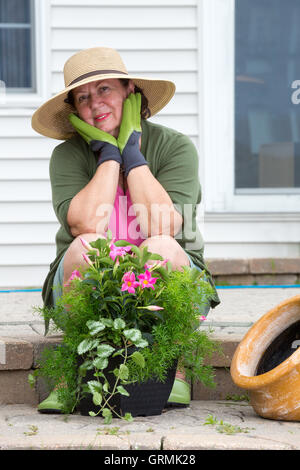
(51, 404)
(180, 394)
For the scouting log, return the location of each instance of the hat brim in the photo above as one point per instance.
(51, 119)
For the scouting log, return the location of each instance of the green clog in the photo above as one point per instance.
(180, 394)
(51, 405)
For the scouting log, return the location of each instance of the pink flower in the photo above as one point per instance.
(153, 308)
(201, 318)
(87, 259)
(118, 251)
(74, 275)
(87, 246)
(129, 282)
(156, 264)
(146, 280)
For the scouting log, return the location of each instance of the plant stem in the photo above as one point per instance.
(115, 386)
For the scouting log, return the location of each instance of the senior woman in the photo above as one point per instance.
(111, 153)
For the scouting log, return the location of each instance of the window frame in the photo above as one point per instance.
(216, 111)
(41, 60)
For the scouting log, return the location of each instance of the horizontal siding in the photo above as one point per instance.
(124, 17)
(26, 191)
(22, 276)
(31, 233)
(33, 147)
(140, 62)
(34, 169)
(174, 39)
(24, 211)
(23, 255)
(121, 3)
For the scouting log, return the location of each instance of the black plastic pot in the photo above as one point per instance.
(145, 399)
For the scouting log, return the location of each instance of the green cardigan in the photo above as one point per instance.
(172, 159)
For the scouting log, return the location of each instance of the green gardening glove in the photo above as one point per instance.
(129, 134)
(104, 144)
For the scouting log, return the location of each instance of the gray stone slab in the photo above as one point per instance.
(17, 330)
(248, 304)
(19, 306)
(22, 427)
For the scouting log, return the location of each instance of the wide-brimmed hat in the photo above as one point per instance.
(97, 63)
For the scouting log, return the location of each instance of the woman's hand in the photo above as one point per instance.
(130, 132)
(99, 141)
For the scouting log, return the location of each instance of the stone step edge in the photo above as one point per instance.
(256, 266)
(23, 353)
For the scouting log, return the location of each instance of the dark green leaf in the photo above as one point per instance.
(105, 350)
(122, 391)
(97, 398)
(138, 359)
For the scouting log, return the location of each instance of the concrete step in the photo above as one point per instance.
(22, 340)
(205, 425)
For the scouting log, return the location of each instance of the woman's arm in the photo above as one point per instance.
(90, 209)
(153, 206)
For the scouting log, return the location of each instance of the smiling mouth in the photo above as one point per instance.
(102, 117)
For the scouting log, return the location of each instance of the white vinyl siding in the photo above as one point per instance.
(155, 39)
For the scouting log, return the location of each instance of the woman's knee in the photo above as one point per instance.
(73, 257)
(168, 248)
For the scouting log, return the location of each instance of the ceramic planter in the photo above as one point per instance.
(267, 362)
(146, 399)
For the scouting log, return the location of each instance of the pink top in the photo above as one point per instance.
(123, 222)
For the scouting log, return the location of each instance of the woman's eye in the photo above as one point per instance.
(103, 89)
(82, 98)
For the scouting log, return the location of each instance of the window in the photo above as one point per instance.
(17, 58)
(267, 118)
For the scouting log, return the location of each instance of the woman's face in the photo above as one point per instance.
(100, 103)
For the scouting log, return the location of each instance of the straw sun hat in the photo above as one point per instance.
(98, 63)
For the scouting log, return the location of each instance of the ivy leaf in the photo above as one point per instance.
(97, 398)
(105, 350)
(94, 386)
(123, 372)
(133, 334)
(86, 345)
(100, 363)
(128, 417)
(119, 352)
(142, 343)
(107, 415)
(119, 324)
(106, 321)
(122, 391)
(138, 358)
(95, 326)
(91, 413)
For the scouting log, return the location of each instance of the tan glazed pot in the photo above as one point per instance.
(274, 394)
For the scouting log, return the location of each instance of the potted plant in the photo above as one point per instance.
(128, 321)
